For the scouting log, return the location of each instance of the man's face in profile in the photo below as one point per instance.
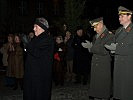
(38, 30)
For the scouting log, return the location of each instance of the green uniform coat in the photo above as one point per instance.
(100, 84)
(123, 67)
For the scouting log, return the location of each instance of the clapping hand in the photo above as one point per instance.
(111, 47)
(87, 45)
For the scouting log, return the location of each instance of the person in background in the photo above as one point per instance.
(69, 55)
(31, 36)
(9, 81)
(3, 51)
(81, 57)
(19, 63)
(38, 66)
(59, 61)
(11, 60)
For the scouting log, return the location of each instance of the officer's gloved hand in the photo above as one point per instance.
(87, 45)
(111, 47)
(112, 52)
(60, 49)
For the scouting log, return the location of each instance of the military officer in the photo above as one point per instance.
(100, 83)
(123, 66)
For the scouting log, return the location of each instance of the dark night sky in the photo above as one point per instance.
(107, 9)
(93, 9)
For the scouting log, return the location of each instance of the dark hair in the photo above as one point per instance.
(79, 28)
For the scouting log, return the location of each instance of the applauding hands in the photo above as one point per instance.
(86, 44)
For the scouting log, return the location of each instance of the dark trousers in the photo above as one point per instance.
(9, 81)
(59, 78)
(18, 82)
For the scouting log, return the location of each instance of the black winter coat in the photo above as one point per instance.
(38, 68)
(82, 57)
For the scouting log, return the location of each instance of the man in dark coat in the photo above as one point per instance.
(123, 66)
(81, 57)
(100, 83)
(38, 69)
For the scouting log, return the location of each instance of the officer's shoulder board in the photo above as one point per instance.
(119, 29)
(128, 29)
(110, 32)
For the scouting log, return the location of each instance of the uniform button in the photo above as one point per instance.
(96, 64)
(121, 43)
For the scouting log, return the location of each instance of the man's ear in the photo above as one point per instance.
(129, 16)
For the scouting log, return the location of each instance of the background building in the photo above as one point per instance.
(19, 15)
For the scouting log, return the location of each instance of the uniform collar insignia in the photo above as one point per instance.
(104, 32)
(102, 35)
(128, 29)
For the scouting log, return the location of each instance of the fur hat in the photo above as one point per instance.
(42, 22)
